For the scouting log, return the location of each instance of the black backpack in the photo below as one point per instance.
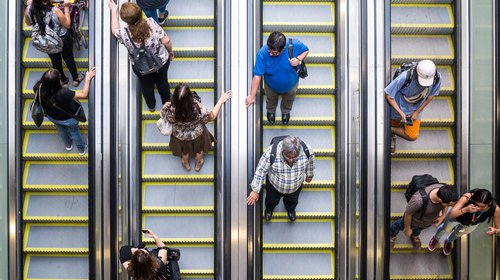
(412, 73)
(300, 69)
(143, 61)
(173, 269)
(418, 184)
(278, 139)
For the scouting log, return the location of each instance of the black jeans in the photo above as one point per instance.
(67, 55)
(148, 82)
(273, 197)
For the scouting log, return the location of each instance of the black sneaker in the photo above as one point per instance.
(162, 20)
(292, 216)
(285, 119)
(271, 117)
(268, 215)
(393, 144)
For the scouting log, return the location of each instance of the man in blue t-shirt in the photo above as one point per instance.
(280, 77)
(408, 102)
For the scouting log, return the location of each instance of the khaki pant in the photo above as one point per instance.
(286, 99)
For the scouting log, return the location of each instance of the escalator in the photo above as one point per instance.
(424, 30)
(305, 249)
(176, 204)
(55, 198)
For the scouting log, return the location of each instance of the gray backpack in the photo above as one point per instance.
(143, 61)
(49, 41)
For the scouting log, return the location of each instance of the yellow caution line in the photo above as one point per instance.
(301, 3)
(299, 246)
(29, 164)
(28, 260)
(188, 27)
(194, 59)
(193, 49)
(29, 195)
(181, 240)
(28, 230)
(176, 184)
(304, 34)
(297, 252)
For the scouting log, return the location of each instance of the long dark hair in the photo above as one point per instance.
(481, 196)
(185, 108)
(131, 13)
(142, 266)
(38, 10)
(49, 84)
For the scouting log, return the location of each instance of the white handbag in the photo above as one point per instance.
(164, 126)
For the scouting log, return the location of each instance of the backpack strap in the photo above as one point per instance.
(274, 148)
(425, 201)
(409, 77)
(130, 38)
(290, 48)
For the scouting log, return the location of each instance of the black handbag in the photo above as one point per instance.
(79, 115)
(302, 68)
(36, 107)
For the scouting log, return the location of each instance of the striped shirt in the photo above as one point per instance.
(284, 178)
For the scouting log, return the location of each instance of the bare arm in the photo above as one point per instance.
(115, 24)
(86, 88)
(215, 111)
(253, 90)
(495, 229)
(26, 16)
(168, 44)
(458, 210)
(298, 59)
(421, 108)
(395, 105)
(64, 18)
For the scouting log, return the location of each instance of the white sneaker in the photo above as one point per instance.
(69, 148)
(82, 153)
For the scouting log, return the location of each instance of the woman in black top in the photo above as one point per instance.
(473, 208)
(58, 104)
(142, 264)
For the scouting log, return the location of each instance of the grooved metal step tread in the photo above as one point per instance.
(438, 48)
(61, 266)
(63, 176)
(447, 78)
(153, 140)
(421, 19)
(313, 203)
(199, 13)
(206, 95)
(321, 45)
(196, 261)
(439, 112)
(306, 234)
(421, 1)
(165, 167)
(34, 58)
(403, 242)
(321, 80)
(403, 169)
(296, 16)
(309, 110)
(32, 75)
(178, 198)
(196, 72)
(411, 265)
(56, 238)
(64, 207)
(192, 41)
(295, 264)
(189, 228)
(48, 145)
(320, 138)
(432, 141)
(28, 122)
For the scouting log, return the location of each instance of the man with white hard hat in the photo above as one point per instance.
(408, 95)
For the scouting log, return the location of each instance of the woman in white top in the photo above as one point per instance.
(144, 32)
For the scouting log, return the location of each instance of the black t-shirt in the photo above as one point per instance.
(64, 100)
(126, 254)
(478, 217)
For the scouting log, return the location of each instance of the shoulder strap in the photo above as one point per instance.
(274, 148)
(425, 201)
(130, 38)
(409, 77)
(290, 48)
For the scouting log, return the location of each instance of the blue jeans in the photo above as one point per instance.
(153, 13)
(399, 225)
(69, 132)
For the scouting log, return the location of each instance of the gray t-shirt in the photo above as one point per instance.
(431, 213)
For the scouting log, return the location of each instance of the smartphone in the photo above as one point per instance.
(409, 121)
(145, 231)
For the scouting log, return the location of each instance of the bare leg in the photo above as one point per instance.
(185, 162)
(199, 162)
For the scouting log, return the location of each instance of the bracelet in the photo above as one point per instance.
(462, 210)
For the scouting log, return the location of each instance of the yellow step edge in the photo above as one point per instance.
(28, 260)
(177, 209)
(27, 231)
(298, 246)
(185, 241)
(167, 28)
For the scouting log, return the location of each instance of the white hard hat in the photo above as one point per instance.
(426, 70)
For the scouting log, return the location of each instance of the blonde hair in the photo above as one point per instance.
(131, 13)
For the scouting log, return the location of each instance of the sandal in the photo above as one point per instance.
(198, 165)
(186, 165)
(76, 82)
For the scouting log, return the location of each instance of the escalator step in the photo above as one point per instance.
(430, 265)
(321, 45)
(27, 29)
(313, 203)
(276, 16)
(56, 238)
(192, 41)
(32, 75)
(403, 169)
(34, 58)
(47, 145)
(433, 141)
(320, 138)
(28, 122)
(321, 80)
(197, 261)
(403, 242)
(421, 19)
(307, 234)
(181, 228)
(64, 176)
(51, 267)
(421, 1)
(178, 198)
(292, 264)
(206, 95)
(196, 72)
(323, 113)
(199, 13)
(438, 48)
(153, 140)
(439, 112)
(64, 207)
(447, 78)
(155, 165)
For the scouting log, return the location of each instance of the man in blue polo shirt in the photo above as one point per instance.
(280, 78)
